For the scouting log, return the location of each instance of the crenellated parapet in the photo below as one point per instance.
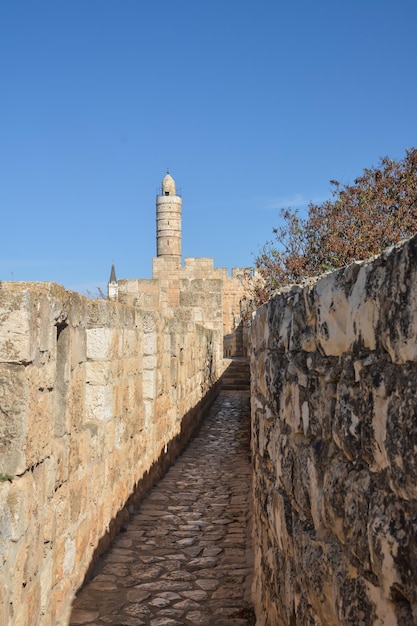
(195, 290)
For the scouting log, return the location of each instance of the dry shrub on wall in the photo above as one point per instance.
(358, 221)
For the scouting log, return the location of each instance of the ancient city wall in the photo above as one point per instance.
(93, 395)
(334, 416)
(198, 292)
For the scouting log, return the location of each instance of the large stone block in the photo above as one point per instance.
(333, 312)
(14, 407)
(99, 342)
(17, 334)
(132, 345)
(98, 403)
(78, 347)
(149, 384)
(150, 344)
(97, 372)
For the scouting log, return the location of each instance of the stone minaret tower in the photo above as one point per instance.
(168, 221)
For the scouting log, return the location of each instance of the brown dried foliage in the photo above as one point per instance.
(357, 222)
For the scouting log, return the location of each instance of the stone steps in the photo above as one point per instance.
(236, 376)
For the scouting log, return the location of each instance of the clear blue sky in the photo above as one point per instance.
(253, 105)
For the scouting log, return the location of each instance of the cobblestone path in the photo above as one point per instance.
(185, 557)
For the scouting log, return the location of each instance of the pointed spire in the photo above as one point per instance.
(112, 285)
(113, 278)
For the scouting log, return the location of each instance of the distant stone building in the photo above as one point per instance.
(112, 287)
(197, 291)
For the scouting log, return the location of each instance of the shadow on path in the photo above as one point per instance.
(185, 557)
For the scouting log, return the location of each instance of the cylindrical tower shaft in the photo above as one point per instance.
(168, 220)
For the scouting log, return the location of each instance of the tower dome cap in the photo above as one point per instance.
(168, 185)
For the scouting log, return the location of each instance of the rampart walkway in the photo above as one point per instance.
(185, 557)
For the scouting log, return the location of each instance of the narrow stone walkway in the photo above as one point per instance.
(185, 557)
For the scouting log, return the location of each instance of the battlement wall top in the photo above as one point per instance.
(206, 262)
(237, 272)
(136, 285)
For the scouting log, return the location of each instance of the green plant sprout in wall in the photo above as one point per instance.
(5, 477)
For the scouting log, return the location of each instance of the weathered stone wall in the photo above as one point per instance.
(334, 412)
(92, 394)
(198, 292)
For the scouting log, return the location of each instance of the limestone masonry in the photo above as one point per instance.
(97, 397)
(334, 439)
(197, 293)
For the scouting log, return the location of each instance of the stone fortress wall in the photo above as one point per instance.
(334, 427)
(204, 294)
(93, 394)
(96, 397)
(198, 292)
